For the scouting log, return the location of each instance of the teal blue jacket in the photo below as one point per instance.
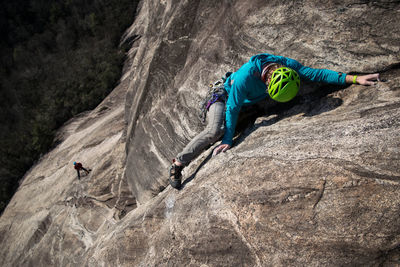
(245, 86)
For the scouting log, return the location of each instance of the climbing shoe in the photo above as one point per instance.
(175, 176)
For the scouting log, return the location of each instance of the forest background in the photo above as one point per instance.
(58, 58)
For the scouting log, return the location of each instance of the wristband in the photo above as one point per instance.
(355, 79)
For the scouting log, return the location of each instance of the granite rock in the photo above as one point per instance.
(314, 182)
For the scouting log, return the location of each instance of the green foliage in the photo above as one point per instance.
(58, 58)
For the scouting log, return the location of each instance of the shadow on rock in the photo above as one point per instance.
(191, 177)
(309, 105)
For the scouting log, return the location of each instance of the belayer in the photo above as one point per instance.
(264, 74)
(78, 167)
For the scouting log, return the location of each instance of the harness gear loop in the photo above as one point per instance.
(216, 93)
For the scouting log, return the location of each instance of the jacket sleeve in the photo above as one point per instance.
(235, 101)
(306, 73)
(316, 75)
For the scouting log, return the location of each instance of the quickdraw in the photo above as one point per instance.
(216, 93)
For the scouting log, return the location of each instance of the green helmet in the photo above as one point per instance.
(284, 84)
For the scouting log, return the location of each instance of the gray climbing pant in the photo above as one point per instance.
(214, 130)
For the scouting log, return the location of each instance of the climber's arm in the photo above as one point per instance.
(328, 76)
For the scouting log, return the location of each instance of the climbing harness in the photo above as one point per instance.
(216, 93)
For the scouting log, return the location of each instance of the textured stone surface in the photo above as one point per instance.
(185, 45)
(53, 218)
(315, 182)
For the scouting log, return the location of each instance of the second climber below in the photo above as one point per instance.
(78, 167)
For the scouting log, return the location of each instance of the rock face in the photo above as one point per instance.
(312, 182)
(54, 217)
(185, 45)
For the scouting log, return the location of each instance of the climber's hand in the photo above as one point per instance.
(221, 148)
(368, 79)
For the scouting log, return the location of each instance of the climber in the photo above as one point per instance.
(78, 167)
(264, 74)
